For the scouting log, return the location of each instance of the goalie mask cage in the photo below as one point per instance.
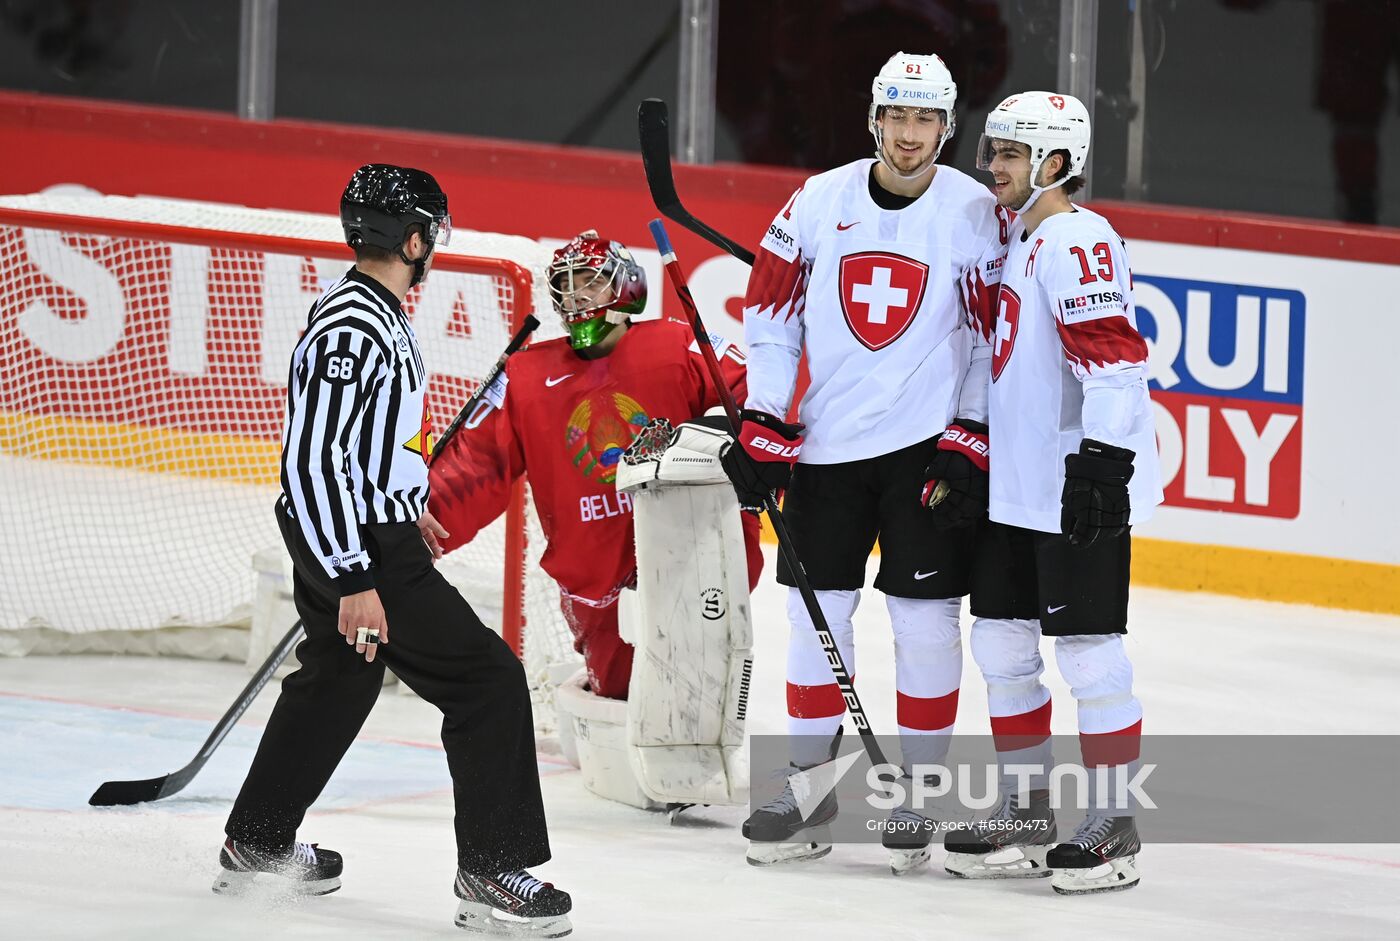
(145, 346)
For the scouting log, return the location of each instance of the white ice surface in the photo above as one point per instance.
(1204, 665)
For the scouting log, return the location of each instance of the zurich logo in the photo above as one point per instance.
(892, 93)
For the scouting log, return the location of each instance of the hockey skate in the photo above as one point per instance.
(304, 870)
(1100, 857)
(511, 905)
(907, 835)
(1010, 844)
(779, 833)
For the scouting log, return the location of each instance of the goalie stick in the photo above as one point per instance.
(120, 793)
(770, 503)
(654, 135)
(516, 342)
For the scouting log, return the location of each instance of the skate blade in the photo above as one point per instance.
(1011, 862)
(1113, 876)
(485, 920)
(904, 862)
(234, 882)
(817, 845)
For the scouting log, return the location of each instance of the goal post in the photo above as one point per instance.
(145, 345)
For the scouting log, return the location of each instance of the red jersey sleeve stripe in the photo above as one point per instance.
(1102, 342)
(776, 286)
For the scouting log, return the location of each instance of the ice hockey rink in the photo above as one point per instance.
(1205, 664)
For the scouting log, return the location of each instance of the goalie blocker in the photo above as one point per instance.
(678, 739)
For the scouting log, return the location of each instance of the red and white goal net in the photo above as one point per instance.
(145, 345)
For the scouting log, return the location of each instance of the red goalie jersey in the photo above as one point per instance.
(564, 421)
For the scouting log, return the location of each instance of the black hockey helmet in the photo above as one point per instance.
(382, 200)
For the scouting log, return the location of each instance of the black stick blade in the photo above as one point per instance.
(654, 137)
(125, 793)
(654, 132)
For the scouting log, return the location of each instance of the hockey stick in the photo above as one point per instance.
(114, 793)
(770, 503)
(516, 342)
(654, 135)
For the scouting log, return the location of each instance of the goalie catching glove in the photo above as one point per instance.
(955, 488)
(1095, 499)
(761, 460)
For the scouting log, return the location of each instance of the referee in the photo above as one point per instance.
(353, 517)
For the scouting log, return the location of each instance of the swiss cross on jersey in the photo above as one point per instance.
(1008, 320)
(880, 295)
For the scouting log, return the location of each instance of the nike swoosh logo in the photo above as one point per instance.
(1050, 610)
(920, 576)
(843, 228)
(551, 383)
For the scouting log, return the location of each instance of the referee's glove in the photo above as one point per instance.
(761, 460)
(955, 483)
(1095, 503)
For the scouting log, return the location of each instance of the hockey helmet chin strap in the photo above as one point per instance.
(1036, 192)
(420, 266)
(948, 126)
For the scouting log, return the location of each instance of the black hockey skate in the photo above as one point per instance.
(779, 833)
(511, 905)
(908, 832)
(907, 835)
(1010, 844)
(1100, 857)
(305, 869)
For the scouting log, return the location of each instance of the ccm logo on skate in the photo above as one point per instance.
(780, 448)
(1225, 370)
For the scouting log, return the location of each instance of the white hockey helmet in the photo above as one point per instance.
(1045, 122)
(910, 81)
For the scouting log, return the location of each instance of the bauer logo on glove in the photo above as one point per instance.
(955, 488)
(762, 461)
(786, 451)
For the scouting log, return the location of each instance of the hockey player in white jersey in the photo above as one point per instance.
(876, 270)
(1073, 465)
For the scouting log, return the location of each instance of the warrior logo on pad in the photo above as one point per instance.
(880, 295)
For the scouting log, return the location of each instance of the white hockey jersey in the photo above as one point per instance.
(883, 303)
(1068, 363)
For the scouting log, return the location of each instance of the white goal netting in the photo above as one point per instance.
(145, 345)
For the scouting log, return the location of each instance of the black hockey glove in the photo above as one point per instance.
(761, 460)
(1095, 498)
(955, 483)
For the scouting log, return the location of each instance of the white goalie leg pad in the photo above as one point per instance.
(691, 627)
(598, 729)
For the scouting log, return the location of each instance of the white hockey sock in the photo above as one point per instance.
(815, 704)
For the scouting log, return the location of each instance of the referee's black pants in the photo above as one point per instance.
(439, 647)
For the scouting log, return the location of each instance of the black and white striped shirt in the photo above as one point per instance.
(356, 441)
